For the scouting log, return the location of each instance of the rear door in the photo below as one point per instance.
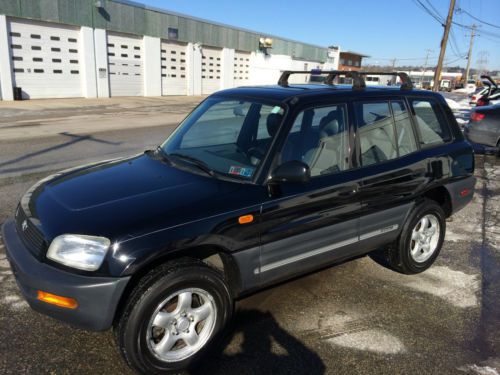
(391, 170)
(312, 224)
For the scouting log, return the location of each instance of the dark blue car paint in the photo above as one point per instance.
(153, 211)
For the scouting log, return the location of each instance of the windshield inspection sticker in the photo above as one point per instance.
(240, 171)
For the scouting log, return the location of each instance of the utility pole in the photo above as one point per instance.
(393, 78)
(469, 56)
(444, 42)
(429, 51)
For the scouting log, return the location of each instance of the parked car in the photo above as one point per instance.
(256, 186)
(483, 129)
(492, 95)
(480, 91)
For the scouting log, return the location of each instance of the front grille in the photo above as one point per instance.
(30, 234)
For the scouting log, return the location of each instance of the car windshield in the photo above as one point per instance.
(226, 137)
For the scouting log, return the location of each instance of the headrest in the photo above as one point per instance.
(329, 129)
(273, 122)
(332, 115)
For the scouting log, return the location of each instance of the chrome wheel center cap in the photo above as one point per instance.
(182, 324)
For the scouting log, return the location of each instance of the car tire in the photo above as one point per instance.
(161, 329)
(420, 241)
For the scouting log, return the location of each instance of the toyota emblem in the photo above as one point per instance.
(24, 225)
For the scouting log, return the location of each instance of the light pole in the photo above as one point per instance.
(429, 51)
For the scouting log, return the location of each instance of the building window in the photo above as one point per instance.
(342, 62)
(173, 33)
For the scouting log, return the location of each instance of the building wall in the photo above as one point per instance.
(133, 18)
(152, 26)
(349, 61)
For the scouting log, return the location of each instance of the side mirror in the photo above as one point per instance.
(291, 171)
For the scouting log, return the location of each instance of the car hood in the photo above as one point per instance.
(118, 198)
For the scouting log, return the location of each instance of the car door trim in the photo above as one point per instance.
(324, 249)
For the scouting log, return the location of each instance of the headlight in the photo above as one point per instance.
(79, 251)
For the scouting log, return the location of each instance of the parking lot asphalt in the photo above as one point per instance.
(355, 317)
(51, 117)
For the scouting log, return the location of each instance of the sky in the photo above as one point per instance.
(382, 29)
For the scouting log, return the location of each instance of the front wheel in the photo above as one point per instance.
(420, 240)
(174, 316)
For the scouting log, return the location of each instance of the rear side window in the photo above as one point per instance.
(376, 134)
(431, 124)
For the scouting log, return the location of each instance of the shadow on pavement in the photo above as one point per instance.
(264, 348)
(74, 139)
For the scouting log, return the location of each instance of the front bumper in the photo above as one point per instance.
(97, 297)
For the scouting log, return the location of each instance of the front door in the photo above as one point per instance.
(308, 225)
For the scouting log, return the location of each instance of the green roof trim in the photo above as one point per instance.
(134, 18)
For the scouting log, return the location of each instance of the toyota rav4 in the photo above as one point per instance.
(256, 186)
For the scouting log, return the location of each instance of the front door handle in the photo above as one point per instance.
(348, 191)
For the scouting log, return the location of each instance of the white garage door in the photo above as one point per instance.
(241, 68)
(125, 65)
(46, 59)
(173, 68)
(210, 70)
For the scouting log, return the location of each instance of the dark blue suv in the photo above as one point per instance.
(257, 185)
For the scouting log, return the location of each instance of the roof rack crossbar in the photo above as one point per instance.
(406, 83)
(356, 76)
(358, 81)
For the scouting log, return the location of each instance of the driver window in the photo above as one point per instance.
(320, 138)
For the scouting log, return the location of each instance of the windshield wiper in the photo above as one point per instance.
(199, 163)
(159, 151)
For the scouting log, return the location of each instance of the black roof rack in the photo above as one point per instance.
(406, 83)
(357, 84)
(357, 77)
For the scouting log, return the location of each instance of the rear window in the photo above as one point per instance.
(431, 124)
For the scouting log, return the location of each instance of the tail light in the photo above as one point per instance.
(474, 97)
(480, 102)
(477, 116)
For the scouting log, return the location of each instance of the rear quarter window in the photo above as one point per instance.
(431, 124)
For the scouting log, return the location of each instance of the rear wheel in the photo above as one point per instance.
(174, 316)
(420, 240)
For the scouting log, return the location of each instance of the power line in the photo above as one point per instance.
(428, 11)
(477, 19)
(434, 14)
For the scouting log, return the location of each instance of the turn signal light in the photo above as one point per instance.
(66, 302)
(477, 116)
(245, 219)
